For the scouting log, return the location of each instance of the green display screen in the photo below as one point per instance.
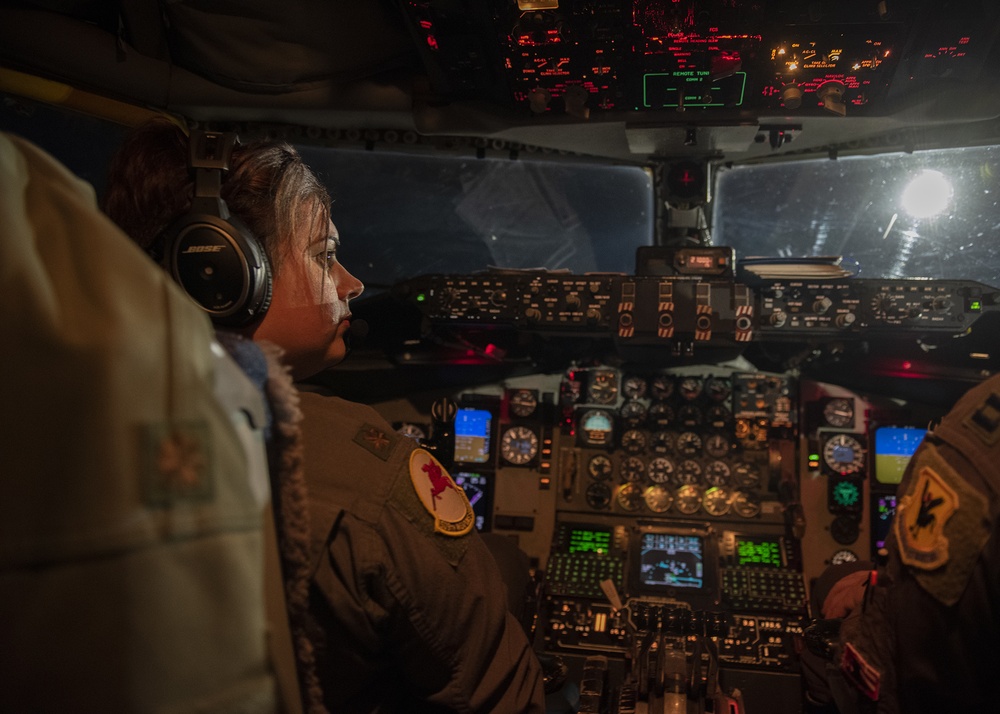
(585, 540)
(764, 552)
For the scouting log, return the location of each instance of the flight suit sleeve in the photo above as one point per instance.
(416, 610)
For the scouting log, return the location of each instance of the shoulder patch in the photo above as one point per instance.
(941, 526)
(376, 440)
(440, 496)
(178, 463)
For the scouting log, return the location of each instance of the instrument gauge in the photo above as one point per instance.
(717, 389)
(843, 454)
(600, 468)
(661, 414)
(596, 428)
(717, 473)
(718, 446)
(718, 416)
(658, 499)
(688, 472)
(633, 412)
(603, 388)
(660, 470)
(598, 496)
(843, 556)
(522, 402)
(630, 497)
(687, 499)
(662, 387)
(839, 413)
(634, 387)
(688, 444)
(690, 415)
(746, 476)
(690, 388)
(745, 504)
(662, 442)
(634, 441)
(518, 445)
(633, 469)
(716, 501)
(413, 431)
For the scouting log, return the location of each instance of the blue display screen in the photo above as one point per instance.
(472, 436)
(894, 445)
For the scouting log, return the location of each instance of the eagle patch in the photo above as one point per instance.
(440, 496)
(920, 520)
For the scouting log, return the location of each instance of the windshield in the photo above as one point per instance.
(403, 215)
(928, 214)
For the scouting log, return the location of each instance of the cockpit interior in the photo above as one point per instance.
(673, 288)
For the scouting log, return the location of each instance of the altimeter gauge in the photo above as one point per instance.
(518, 445)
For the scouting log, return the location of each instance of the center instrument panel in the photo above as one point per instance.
(676, 512)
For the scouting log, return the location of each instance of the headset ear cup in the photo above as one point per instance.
(221, 266)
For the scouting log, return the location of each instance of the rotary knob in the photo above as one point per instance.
(821, 305)
(778, 318)
(845, 319)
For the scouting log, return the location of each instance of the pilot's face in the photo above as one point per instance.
(309, 311)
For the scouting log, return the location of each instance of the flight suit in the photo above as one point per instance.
(409, 610)
(927, 631)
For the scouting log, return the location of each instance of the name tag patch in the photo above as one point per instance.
(440, 496)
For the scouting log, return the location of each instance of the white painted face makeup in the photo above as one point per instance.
(310, 307)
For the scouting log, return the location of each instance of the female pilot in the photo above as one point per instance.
(391, 592)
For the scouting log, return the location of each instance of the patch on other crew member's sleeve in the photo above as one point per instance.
(440, 496)
(378, 441)
(941, 526)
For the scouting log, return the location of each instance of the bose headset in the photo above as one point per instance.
(208, 251)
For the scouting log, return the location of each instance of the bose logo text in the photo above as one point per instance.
(203, 249)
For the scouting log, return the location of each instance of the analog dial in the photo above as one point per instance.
(634, 387)
(717, 389)
(522, 402)
(839, 413)
(633, 412)
(662, 387)
(746, 476)
(843, 556)
(633, 469)
(717, 446)
(518, 445)
(662, 442)
(718, 416)
(600, 468)
(687, 499)
(661, 414)
(689, 415)
(629, 497)
(634, 441)
(690, 388)
(745, 504)
(413, 431)
(717, 473)
(658, 499)
(598, 496)
(688, 471)
(688, 444)
(603, 387)
(661, 470)
(716, 501)
(843, 454)
(596, 427)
